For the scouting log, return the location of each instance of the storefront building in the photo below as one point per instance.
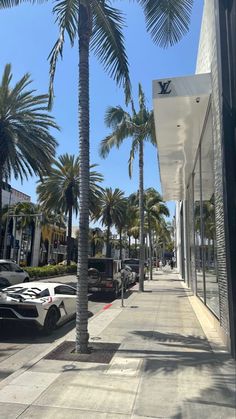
(195, 118)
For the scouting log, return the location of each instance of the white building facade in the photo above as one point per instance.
(195, 122)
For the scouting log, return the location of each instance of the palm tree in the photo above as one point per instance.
(99, 26)
(96, 240)
(140, 127)
(154, 209)
(26, 146)
(59, 191)
(112, 208)
(132, 221)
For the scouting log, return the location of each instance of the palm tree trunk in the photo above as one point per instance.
(141, 217)
(108, 247)
(120, 243)
(82, 335)
(129, 245)
(69, 241)
(135, 246)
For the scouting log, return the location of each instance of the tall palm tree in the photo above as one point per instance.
(140, 127)
(98, 26)
(112, 208)
(59, 191)
(26, 145)
(154, 209)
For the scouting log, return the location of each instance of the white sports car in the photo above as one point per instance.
(45, 303)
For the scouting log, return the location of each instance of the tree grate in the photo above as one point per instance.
(100, 352)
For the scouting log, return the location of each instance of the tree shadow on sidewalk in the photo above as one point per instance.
(164, 359)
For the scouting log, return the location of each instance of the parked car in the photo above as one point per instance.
(45, 303)
(130, 276)
(106, 275)
(11, 273)
(134, 265)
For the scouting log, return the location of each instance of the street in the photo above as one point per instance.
(21, 342)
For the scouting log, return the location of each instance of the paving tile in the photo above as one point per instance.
(11, 410)
(19, 394)
(39, 412)
(26, 387)
(31, 378)
(98, 393)
(124, 366)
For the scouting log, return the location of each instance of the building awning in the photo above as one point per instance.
(180, 108)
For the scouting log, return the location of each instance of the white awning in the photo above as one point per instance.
(180, 108)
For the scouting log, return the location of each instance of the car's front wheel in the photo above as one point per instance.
(26, 280)
(51, 320)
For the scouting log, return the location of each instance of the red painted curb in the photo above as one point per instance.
(107, 306)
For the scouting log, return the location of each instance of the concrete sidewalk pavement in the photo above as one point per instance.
(170, 364)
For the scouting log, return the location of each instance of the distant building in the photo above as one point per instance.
(11, 196)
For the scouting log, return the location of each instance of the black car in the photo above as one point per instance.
(105, 274)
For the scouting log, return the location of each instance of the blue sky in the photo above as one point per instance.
(28, 34)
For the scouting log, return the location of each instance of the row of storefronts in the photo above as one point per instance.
(195, 119)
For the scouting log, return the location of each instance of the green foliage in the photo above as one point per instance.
(47, 271)
(59, 190)
(137, 125)
(26, 147)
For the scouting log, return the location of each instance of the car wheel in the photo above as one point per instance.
(26, 280)
(51, 320)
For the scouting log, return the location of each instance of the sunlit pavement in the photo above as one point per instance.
(165, 366)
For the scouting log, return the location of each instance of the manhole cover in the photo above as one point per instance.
(101, 352)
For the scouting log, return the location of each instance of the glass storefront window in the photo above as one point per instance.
(208, 220)
(198, 232)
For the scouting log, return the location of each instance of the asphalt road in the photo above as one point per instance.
(15, 336)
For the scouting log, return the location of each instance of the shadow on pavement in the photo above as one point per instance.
(165, 357)
(26, 333)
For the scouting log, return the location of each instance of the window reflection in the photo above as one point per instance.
(208, 219)
(198, 232)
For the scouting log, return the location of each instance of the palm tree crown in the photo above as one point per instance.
(59, 190)
(26, 145)
(112, 209)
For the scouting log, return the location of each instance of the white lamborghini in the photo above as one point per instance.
(45, 303)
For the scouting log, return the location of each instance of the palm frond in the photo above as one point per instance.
(27, 147)
(167, 20)
(7, 4)
(67, 13)
(108, 43)
(115, 115)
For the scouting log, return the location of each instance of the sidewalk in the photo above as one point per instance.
(165, 366)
